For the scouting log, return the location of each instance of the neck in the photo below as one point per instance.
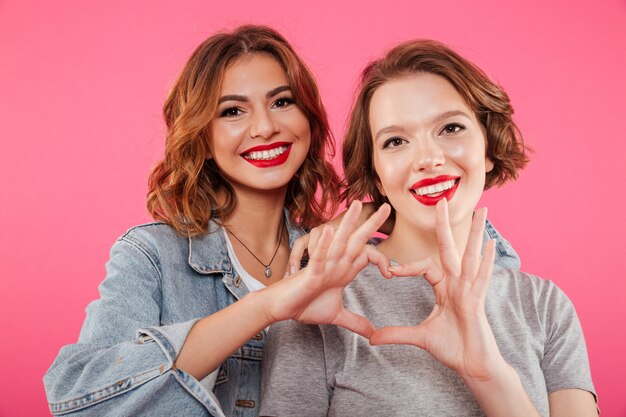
(257, 222)
(408, 243)
(257, 217)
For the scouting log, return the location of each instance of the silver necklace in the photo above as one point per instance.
(268, 270)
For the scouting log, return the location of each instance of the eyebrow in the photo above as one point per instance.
(449, 114)
(245, 99)
(438, 118)
(385, 130)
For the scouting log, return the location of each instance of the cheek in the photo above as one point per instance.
(226, 134)
(379, 182)
(468, 153)
(305, 133)
(301, 130)
(299, 123)
(388, 170)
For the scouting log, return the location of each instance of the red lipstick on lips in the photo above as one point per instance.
(266, 163)
(430, 200)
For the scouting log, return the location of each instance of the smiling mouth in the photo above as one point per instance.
(266, 155)
(429, 195)
(435, 189)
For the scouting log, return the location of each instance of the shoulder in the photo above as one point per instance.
(151, 233)
(510, 279)
(154, 240)
(536, 296)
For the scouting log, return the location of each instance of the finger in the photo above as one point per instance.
(345, 229)
(483, 276)
(355, 323)
(404, 335)
(314, 236)
(362, 234)
(369, 255)
(372, 224)
(319, 254)
(448, 251)
(387, 226)
(426, 267)
(472, 254)
(376, 257)
(297, 252)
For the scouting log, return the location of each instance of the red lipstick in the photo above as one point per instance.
(266, 163)
(432, 199)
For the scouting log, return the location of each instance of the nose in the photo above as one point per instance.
(428, 155)
(262, 124)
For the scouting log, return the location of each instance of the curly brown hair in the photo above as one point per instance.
(184, 186)
(490, 103)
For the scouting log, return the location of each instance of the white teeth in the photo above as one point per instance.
(436, 188)
(265, 155)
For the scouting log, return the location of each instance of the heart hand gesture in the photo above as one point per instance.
(456, 332)
(315, 294)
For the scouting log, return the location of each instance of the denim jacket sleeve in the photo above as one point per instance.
(123, 361)
(506, 257)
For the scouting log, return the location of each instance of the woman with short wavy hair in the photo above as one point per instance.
(462, 337)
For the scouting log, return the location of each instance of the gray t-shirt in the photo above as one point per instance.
(326, 370)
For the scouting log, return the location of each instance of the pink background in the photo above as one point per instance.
(81, 88)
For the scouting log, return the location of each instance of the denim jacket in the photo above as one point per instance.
(158, 285)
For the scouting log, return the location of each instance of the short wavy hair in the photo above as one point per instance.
(489, 102)
(184, 185)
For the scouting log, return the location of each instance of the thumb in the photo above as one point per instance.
(403, 335)
(355, 323)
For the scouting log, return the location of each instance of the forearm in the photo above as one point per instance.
(214, 338)
(88, 379)
(503, 394)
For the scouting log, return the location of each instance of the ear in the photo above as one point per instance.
(488, 164)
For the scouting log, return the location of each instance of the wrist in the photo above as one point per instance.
(258, 305)
(498, 372)
(502, 393)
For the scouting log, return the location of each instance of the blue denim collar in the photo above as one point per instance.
(208, 253)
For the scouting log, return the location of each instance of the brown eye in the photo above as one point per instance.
(393, 142)
(283, 102)
(230, 112)
(451, 128)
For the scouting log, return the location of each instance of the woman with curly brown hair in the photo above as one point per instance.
(180, 326)
(428, 133)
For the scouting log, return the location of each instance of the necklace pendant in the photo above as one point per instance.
(268, 272)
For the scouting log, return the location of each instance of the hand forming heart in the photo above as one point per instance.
(315, 294)
(456, 332)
